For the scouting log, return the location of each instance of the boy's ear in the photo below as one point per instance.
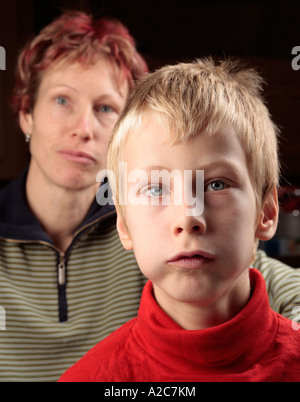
(268, 219)
(123, 233)
(26, 122)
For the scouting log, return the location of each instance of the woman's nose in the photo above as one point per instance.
(84, 125)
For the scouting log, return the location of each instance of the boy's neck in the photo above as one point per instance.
(196, 317)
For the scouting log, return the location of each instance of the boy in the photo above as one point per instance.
(204, 315)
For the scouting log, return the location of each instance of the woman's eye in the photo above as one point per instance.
(61, 100)
(105, 109)
(217, 185)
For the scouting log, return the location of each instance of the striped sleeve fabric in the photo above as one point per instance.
(103, 291)
(283, 284)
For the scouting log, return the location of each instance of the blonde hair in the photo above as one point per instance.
(205, 97)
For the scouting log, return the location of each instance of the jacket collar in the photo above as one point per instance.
(17, 222)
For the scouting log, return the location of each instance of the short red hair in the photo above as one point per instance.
(74, 37)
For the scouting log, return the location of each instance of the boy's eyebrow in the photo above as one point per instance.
(149, 169)
(224, 163)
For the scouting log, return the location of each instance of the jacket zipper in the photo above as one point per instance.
(62, 296)
(61, 266)
(62, 270)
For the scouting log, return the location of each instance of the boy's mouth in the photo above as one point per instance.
(194, 259)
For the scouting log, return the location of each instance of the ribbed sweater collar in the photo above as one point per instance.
(17, 222)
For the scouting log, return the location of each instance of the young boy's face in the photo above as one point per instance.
(202, 259)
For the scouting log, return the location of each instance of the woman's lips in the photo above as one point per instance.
(77, 157)
(191, 260)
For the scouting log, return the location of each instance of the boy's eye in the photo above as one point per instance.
(217, 185)
(155, 191)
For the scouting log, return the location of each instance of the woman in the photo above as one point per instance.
(58, 247)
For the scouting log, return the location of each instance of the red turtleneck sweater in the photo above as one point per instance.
(256, 345)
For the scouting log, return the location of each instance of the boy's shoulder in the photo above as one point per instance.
(289, 332)
(286, 348)
(105, 358)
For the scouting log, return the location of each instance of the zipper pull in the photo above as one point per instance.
(62, 270)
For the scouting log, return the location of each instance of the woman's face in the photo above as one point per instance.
(75, 111)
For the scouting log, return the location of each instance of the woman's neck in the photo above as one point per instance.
(59, 211)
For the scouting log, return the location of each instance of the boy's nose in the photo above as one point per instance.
(185, 223)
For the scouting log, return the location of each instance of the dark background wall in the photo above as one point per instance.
(168, 31)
